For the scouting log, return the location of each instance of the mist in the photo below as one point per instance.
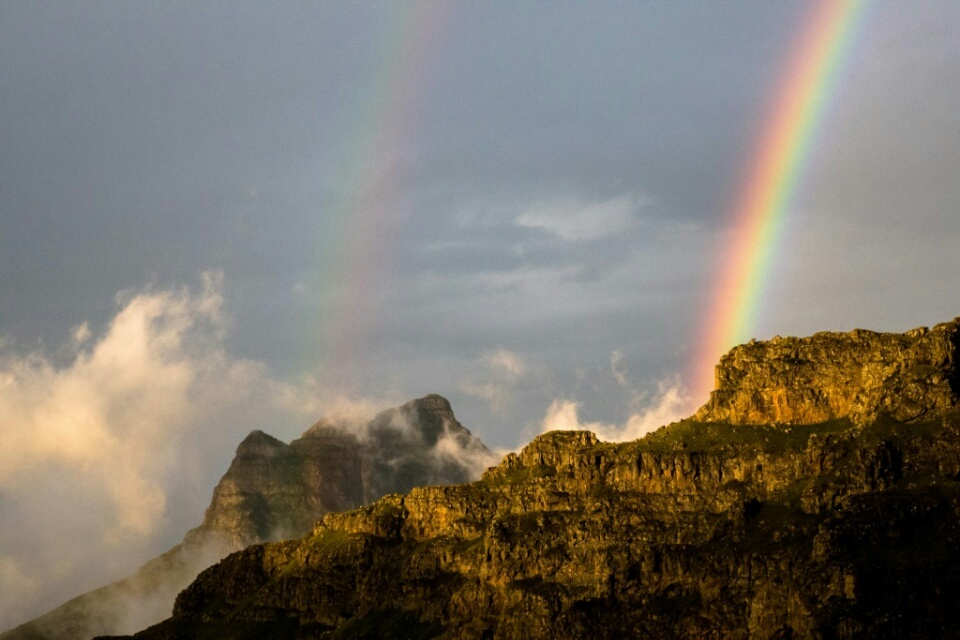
(114, 440)
(670, 403)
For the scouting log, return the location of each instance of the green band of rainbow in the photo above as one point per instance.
(778, 166)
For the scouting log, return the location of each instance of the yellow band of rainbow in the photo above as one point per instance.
(777, 167)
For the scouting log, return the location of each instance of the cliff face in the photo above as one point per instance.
(859, 375)
(844, 524)
(275, 490)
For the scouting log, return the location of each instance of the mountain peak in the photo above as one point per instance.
(258, 442)
(274, 490)
(433, 402)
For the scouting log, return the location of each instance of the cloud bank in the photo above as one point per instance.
(107, 450)
(669, 404)
(113, 442)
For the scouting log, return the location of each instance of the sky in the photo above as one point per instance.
(218, 217)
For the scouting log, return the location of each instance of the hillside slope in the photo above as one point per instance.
(839, 523)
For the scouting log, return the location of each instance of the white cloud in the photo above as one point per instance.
(617, 368)
(107, 414)
(563, 415)
(506, 362)
(109, 458)
(576, 221)
(308, 397)
(449, 448)
(669, 405)
(494, 378)
(81, 333)
(101, 455)
(672, 403)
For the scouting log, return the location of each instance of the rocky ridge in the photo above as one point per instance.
(817, 495)
(273, 491)
(858, 375)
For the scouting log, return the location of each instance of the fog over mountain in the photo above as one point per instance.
(273, 491)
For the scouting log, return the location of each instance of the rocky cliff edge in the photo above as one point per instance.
(858, 375)
(817, 495)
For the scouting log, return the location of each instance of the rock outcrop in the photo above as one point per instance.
(842, 520)
(275, 490)
(858, 375)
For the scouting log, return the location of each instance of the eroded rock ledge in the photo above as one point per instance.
(858, 375)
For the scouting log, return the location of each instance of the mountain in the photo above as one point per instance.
(816, 495)
(275, 490)
(859, 375)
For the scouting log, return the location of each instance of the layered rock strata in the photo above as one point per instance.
(844, 524)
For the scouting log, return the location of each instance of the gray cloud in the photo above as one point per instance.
(577, 221)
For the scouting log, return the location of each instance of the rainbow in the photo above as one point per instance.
(367, 206)
(775, 173)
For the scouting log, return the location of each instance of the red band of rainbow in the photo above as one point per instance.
(779, 162)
